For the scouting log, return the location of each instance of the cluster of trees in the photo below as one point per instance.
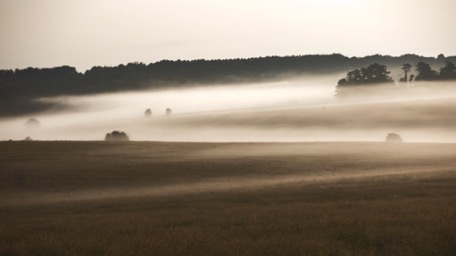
(425, 72)
(376, 74)
(373, 74)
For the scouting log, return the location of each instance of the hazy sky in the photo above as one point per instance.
(84, 33)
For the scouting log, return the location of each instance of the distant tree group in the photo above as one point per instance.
(425, 72)
(373, 74)
(117, 136)
(448, 72)
(378, 74)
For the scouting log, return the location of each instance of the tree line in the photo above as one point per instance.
(20, 87)
(377, 74)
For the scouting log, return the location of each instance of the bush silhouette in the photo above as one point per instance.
(116, 136)
(148, 113)
(393, 137)
(32, 123)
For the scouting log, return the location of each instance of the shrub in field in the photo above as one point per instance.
(168, 111)
(117, 136)
(393, 137)
(32, 123)
(148, 113)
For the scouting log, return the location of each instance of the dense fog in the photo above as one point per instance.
(304, 109)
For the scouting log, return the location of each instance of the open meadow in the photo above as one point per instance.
(157, 198)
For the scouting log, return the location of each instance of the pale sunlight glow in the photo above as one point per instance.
(86, 33)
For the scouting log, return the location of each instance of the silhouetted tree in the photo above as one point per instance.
(117, 136)
(412, 79)
(425, 73)
(168, 111)
(393, 137)
(406, 67)
(448, 72)
(32, 123)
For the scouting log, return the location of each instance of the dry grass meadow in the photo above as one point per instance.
(155, 198)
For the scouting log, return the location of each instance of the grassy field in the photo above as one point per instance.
(154, 198)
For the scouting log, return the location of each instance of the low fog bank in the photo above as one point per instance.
(289, 111)
(386, 93)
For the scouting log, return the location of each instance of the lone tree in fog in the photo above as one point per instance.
(148, 113)
(393, 137)
(32, 123)
(117, 136)
(406, 67)
(168, 111)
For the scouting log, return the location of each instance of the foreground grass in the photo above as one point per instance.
(411, 213)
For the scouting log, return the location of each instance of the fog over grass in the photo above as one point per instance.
(303, 109)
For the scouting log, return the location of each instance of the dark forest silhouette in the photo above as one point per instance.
(19, 88)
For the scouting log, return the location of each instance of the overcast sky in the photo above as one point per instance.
(85, 33)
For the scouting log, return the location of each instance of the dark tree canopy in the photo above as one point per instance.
(406, 67)
(373, 74)
(378, 74)
(117, 136)
(425, 72)
(448, 72)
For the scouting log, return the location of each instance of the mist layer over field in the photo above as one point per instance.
(304, 109)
